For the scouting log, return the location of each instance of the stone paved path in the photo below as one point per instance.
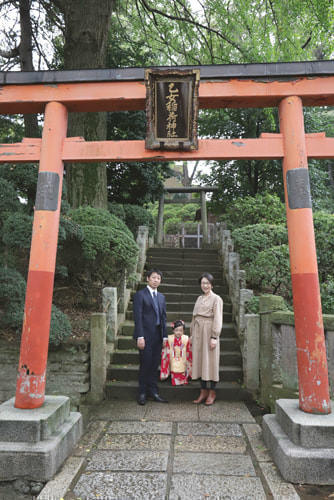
(170, 451)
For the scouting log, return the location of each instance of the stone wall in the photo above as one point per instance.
(68, 370)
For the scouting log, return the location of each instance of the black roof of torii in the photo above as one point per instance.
(257, 71)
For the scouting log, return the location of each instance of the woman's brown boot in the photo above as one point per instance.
(211, 398)
(202, 395)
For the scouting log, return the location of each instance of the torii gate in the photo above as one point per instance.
(288, 86)
(194, 189)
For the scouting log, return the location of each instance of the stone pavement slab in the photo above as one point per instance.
(191, 487)
(209, 429)
(213, 463)
(128, 461)
(135, 442)
(142, 427)
(225, 411)
(213, 444)
(123, 486)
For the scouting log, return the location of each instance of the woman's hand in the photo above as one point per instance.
(212, 344)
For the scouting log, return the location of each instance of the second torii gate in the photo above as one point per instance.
(288, 86)
(194, 189)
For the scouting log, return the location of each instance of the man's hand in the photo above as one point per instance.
(141, 344)
(164, 342)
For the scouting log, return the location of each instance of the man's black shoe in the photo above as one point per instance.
(158, 398)
(141, 399)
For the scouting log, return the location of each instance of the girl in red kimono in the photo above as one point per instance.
(176, 357)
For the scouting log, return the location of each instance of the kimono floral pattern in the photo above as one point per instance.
(176, 360)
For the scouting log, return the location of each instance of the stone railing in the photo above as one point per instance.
(267, 339)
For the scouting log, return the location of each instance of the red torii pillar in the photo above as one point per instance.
(30, 387)
(310, 338)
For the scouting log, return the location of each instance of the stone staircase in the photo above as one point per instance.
(181, 269)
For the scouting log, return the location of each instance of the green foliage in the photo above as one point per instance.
(264, 208)
(108, 247)
(16, 240)
(270, 271)
(251, 239)
(327, 295)
(12, 297)
(9, 201)
(117, 209)
(324, 241)
(176, 214)
(253, 305)
(219, 32)
(134, 216)
(17, 231)
(23, 178)
(60, 327)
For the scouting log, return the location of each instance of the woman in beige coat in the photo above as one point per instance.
(205, 328)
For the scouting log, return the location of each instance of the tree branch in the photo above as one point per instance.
(191, 21)
(10, 54)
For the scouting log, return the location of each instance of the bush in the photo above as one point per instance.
(12, 298)
(253, 305)
(324, 240)
(118, 210)
(134, 216)
(250, 240)
(9, 201)
(60, 328)
(264, 208)
(327, 295)
(108, 249)
(269, 272)
(17, 231)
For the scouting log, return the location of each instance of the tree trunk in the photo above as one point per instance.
(86, 35)
(26, 62)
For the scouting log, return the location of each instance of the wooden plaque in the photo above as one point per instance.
(171, 109)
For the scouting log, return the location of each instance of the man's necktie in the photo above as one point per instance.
(156, 307)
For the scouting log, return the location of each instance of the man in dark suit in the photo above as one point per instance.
(149, 310)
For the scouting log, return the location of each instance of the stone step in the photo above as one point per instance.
(191, 266)
(186, 315)
(131, 357)
(185, 252)
(188, 298)
(191, 277)
(128, 390)
(228, 331)
(187, 306)
(226, 343)
(130, 372)
(177, 302)
(176, 295)
(187, 289)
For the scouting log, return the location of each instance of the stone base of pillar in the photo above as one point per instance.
(35, 443)
(301, 444)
